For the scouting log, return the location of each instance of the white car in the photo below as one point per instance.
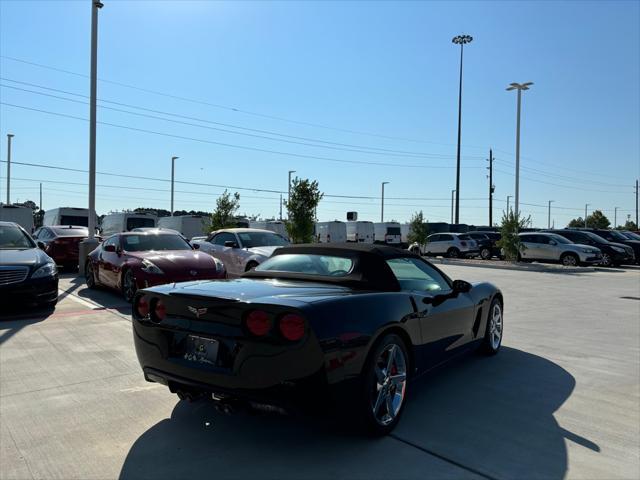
(452, 245)
(241, 249)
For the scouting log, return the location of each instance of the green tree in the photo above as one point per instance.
(302, 204)
(418, 229)
(510, 241)
(629, 225)
(596, 220)
(224, 214)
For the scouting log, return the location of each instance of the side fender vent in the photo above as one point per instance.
(476, 324)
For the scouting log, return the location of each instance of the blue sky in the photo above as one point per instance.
(374, 82)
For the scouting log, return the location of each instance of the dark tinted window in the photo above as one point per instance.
(71, 232)
(465, 236)
(143, 243)
(140, 222)
(445, 238)
(74, 220)
(529, 238)
(434, 238)
(393, 230)
(14, 238)
(220, 238)
(261, 239)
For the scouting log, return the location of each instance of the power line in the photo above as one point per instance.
(352, 147)
(255, 149)
(555, 184)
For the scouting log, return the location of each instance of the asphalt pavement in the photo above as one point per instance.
(561, 400)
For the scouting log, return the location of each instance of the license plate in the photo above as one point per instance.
(201, 350)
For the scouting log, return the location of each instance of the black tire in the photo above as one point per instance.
(606, 261)
(485, 253)
(489, 345)
(569, 260)
(128, 289)
(370, 391)
(89, 275)
(453, 252)
(251, 265)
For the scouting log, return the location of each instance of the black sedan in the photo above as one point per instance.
(27, 274)
(617, 237)
(354, 324)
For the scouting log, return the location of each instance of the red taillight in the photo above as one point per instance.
(142, 307)
(258, 323)
(292, 327)
(159, 310)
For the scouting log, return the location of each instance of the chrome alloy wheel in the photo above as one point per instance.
(495, 326)
(569, 261)
(390, 384)
(129, 287)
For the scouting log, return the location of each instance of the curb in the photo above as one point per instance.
(534, 267)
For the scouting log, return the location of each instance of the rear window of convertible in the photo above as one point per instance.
(311, 264)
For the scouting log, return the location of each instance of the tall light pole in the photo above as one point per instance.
(520, 87)
(90, 243)
(173, 172)
(9, 137)
(585, 214)
(615, 216)
(452, 194)
(382, 205)
(549, 214)
(508, 197)
(459, 40)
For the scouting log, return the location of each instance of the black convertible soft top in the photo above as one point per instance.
(370, 270)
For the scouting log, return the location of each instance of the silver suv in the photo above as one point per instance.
(550, 247)
(452, 245)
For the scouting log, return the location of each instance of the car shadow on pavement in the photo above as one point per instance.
(15, 317)
(488, 416)
(101, 297)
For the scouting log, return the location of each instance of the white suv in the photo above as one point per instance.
(551, 247)
(452, 245)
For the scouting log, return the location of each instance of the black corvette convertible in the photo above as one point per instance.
(353, 324)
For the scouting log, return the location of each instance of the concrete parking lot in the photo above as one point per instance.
(561, 400)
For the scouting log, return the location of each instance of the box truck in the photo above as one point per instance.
(188, 225)
(126, 221)
(331, 232)
(23, 216)
(360, 232)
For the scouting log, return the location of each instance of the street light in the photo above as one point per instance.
(508, 197)
(382, 206)
(585, 214)
(615, 216)
(173, 171)
(549, 215)
(452, 194)
(459, 40)
(9, 137)
(520, 87)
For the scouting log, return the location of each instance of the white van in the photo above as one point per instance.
(388, 232)
(274, 226)
(188, 225)
(331, 232)
(78, 217)
(405, 230)
(360, 232)
(23, 216)
(126, 221)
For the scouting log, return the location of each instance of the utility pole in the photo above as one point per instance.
(280, 207)
(637, 205)
(549, 214)
(491, 187)
(9, 137)
(382, 206)
(90, 243)
(40, 197)
(615, 217)
(585, 214)
(452, 195)
(520, 87)
(459, 40)
(173, 171)
(289, 191)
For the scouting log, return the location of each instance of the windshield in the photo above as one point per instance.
(78, 220)
(71, 232)
(559, 238)
(13, 238)
(617, 235)
(261, 239)
(143, 243)
(595, 238)
(140, 222)
(308, 263)
(631, 235)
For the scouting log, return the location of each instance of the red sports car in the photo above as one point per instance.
(132, 260)
(60, 242)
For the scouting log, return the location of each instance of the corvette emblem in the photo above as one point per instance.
(193, 272)
(198, 311)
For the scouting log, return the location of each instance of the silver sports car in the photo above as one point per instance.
(241, 249)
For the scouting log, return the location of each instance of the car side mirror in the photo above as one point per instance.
(110, 248)
(461, 286)
(41, 246)
(230, 244)
(196, 246)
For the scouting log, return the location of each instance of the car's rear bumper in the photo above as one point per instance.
(40, 290)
